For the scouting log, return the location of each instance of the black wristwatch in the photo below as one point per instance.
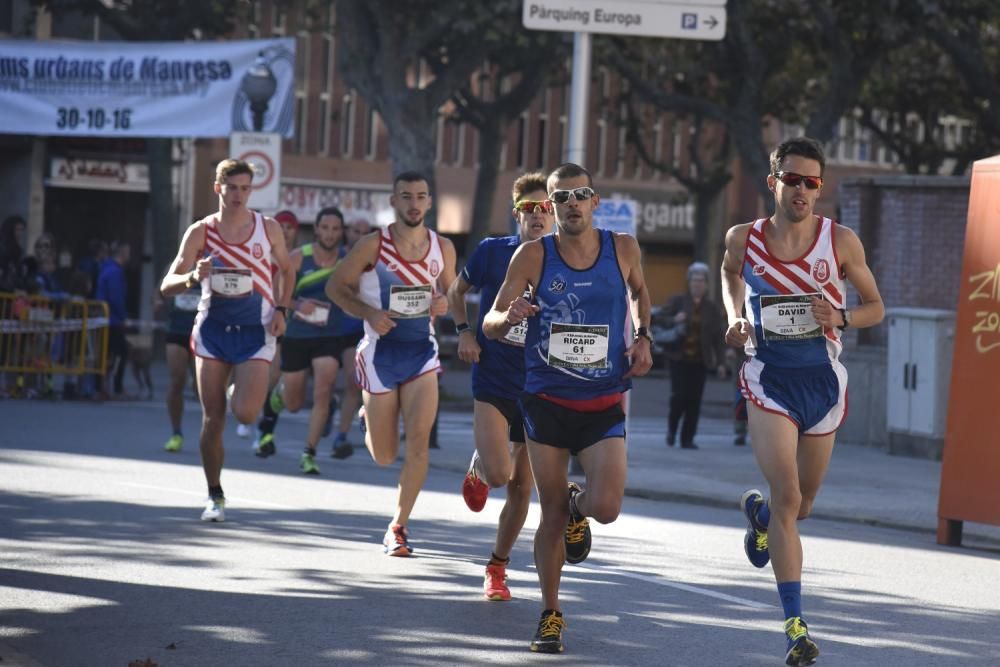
(191, 281)
(283, 310)
(643, 332)
(847, 320)
(462, 328)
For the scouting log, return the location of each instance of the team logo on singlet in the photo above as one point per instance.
(392, 266)
(258, 251)
(558, 285)
(821, 270)
(759, 270)
(435, 268)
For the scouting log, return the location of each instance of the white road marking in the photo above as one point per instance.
(659, 581)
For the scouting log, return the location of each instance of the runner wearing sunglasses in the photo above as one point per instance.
(579, 359)
(790, 272)
(500, 457)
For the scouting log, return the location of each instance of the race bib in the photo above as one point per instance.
(319, 316)
(410, 301)
(516, 335)
(188, 301)
(788, 317)
(231, 283)
(578, 345)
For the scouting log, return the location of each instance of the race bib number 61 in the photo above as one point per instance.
(578, 345)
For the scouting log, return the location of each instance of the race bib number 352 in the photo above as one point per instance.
(410, 301)
(788, 317)
(578, 345)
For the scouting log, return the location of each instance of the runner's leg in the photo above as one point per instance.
(418, 400)
(548, 466)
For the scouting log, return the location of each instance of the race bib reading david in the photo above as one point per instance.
(788, 317)
(578, 345)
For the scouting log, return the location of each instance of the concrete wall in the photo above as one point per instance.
(913, 229)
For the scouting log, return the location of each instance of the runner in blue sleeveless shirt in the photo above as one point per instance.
(242, 309)
(395, 279)
(180, 322)
(784, 288)
(587, 293)
(500, 457)
(312, 342)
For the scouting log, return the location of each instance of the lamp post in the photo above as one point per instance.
(259, 85)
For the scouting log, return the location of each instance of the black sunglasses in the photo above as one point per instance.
(792, 180)
(581, 194)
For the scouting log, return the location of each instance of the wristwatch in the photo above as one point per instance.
(847, 318)
(462, 328)
(283, 310)
(191, 281)
(643, 332)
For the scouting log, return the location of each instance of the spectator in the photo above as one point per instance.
(699, 348)
(12, 246)
(111, 288)
(90, 264)
(45, 281)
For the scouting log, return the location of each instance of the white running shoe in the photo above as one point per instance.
(215, 510)
(244, 430)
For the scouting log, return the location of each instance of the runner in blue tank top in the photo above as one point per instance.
(500, 457)
(183, 308)
(312, 343)
(785, 296)
(242, 310)
(578, 349)
(395, 279)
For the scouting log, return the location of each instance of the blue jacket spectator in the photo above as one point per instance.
(111, 286)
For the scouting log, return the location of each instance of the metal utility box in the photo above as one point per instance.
(920, 348)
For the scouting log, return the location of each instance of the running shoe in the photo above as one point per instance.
(328, 425)
(341, 448)
(548, 637)
(577, 531)
(474, 490)
(215, 510)
(755, 539)
(802, 650)
(308, 464)
(264, 446)
(397, 541)
(174, 443)
(244, 430)
(495, 583)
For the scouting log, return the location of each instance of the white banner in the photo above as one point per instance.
(147, 89)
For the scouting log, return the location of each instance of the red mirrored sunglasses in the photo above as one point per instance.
(791, 179)
(532, 206)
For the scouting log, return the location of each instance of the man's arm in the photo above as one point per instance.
(733, 288)
(468, 346)
(285, 276)
(511, 307)
(639, 351)
(856, 270)
(342, 288)
(187, 265)
(439, 305)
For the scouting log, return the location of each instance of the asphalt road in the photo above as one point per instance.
(103, 561)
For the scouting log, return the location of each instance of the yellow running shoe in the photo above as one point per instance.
(174, 443)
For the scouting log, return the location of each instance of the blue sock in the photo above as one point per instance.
(341, 437)
(790, 593)
(764, 514)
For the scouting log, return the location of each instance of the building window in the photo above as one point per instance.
(457, 143)
(300, 123)
(279, 19)
(542, 145)
(327, 61)
(622, 140)
(302, 61)
(347, 125)
(678, 144)
(522, 139)
(371, 139)
(323, 126)
(253, 20)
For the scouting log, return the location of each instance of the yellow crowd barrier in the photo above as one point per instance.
(39, 335)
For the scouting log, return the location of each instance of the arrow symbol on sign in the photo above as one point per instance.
(712, 22)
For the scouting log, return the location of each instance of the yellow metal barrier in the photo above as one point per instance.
(45, 336)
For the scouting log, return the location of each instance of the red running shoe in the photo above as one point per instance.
(396, 541)
(474, 490)
(495, 584)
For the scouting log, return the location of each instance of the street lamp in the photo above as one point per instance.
(259, 85)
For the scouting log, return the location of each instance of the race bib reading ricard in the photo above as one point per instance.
(188, 301)
(578, 345)
(231, 283)
(788, 317)
(409, 301)
(319, 315)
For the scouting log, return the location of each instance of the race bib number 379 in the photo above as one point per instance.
(788, 317)
(578, 345)
(232, 283)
